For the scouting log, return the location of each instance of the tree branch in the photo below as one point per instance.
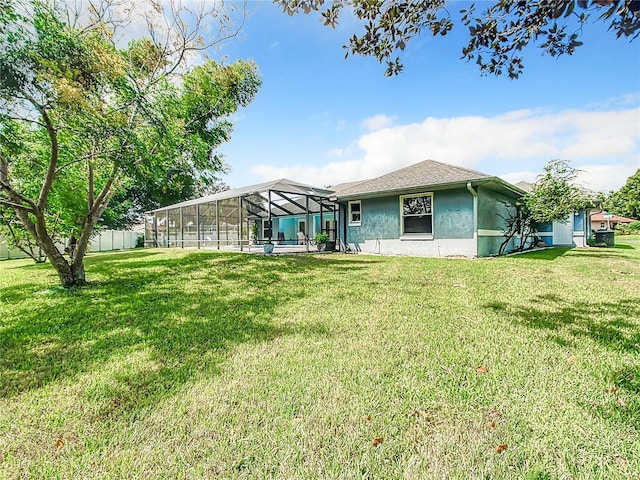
(53, 160)
(16, 206)
(17, 199)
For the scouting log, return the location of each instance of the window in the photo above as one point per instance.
(355, 213)
(417, 214)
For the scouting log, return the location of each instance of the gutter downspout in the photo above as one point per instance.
(475, 214)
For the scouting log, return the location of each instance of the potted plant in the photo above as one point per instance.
(268, 246)
(321, 240)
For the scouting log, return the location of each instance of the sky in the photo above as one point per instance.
(322, 119)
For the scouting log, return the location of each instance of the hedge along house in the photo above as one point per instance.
(284, 211)
(428, 209)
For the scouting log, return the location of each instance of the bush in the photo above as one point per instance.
(321, 238)
(634, 227)
(622, 229)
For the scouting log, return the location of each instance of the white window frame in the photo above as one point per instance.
(415, 236)
(355, 223)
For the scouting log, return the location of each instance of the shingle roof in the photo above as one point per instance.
(428, 173)
(346, 185)
(526, 186)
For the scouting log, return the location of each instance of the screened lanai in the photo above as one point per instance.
(286, 212)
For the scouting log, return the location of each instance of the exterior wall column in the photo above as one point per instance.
(306, 223)
(181, 229)
(218, 223)
(321, 221)
(240, 221)
(198, 225)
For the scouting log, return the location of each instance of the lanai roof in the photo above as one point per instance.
(288, 202)
(426, 174)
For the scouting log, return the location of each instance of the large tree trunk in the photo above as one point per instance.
(71, 275)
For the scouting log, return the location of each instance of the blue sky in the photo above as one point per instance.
(323, 120)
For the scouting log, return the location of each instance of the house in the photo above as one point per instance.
(427, 209)
(607, 221)
(573, 231)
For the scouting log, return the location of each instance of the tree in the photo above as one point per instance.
(554, 196)
(128, 204)
(626, 201)
(518, 223)
(83, 117)
(497, 35)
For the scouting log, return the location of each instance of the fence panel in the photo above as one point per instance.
(103, 241)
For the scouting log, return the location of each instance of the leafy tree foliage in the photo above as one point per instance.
(626, 201)
(556, 194)
(497, 35)
(84, 119)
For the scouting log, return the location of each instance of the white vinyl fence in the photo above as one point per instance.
(104, 241)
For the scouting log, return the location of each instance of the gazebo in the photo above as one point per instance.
(286, 212)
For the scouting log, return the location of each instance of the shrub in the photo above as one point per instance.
(321, 238)
(622, 229)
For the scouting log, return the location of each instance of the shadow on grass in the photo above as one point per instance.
(606, 323)
(614, 325)
(159, 321)
(608, 253)
(545, 254)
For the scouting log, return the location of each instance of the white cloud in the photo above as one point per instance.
(603, 178)
(377, 122)
(514, 145)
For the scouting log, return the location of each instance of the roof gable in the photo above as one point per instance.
(428, 173)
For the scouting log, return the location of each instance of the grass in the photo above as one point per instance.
(192, 364)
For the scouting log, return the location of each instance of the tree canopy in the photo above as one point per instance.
(83, 118)
(497, 34)
(626, 201)
(556, 194)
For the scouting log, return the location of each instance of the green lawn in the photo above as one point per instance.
(191, 364)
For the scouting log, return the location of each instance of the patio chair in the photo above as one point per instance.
(281, 238)
(302, 238)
